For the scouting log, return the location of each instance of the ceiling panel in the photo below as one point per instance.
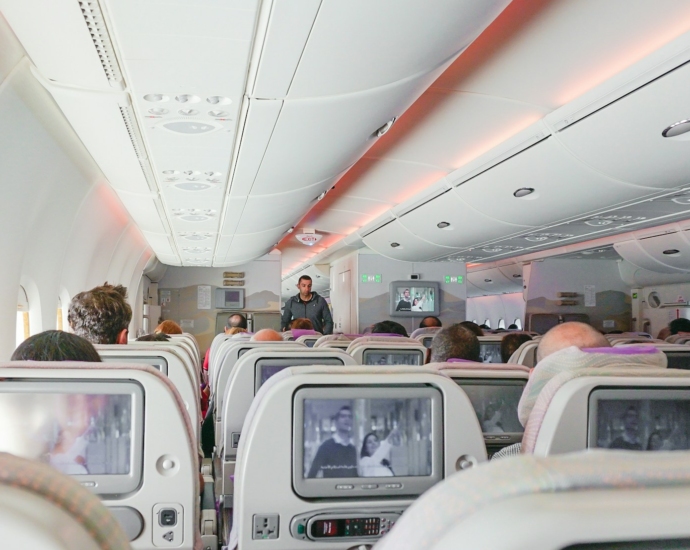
(394, 241)
(344, 33)
(625, 140)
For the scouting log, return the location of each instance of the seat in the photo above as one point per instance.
(42, 508)
(251, 371)
(340, 341)
(137, 450)
(494, 390)
(273, 500)
(306, 337)
(169, 360)
(542, 322)
(571, 501)
(525, 355)
(678, 355)
(425, 335)
(385, 350)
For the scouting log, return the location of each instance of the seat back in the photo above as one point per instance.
(596, 500)
(678, 355)
(340, 339)
(380, 400)
(308, 340)
(425, 335)
(525, 355)
(388, 352)
(169, 360)
(122, 430)
(494, 390)
(490, 348)
(251, 371)
(542, 322)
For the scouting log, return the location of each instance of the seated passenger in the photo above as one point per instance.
(679, 325)
(154, 337)
(236, 330)
(474, 327)
(56, 345)
(511, 342)
(236, 320)
(267, 335)
(302, 323)
(664, 333)
(430, 321)
(512, 326)
(101, 315)
(388, 327)
(168, 327)
(560, 337)
(454, 342)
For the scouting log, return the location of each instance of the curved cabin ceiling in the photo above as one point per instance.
(223, 124)
(566, 98)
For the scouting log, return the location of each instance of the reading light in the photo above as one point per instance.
(536, 238)
(442, 225)
(517, 276)
(186, 98)
(598, 223)
(218, 100)
(158, 111)
(677, 129)
(488, 281)
(188, 112)
(218, 114)
(395, 245)
(523, 192)
(193, 186)
(671, 252)
(170, 172)
(681, 200)
(155, 98)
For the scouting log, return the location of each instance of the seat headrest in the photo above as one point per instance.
(573, 358)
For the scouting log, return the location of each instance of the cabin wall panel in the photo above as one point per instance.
(661, 316)
(612, 295)
(498, 306)
(262, 285)
(373, 298)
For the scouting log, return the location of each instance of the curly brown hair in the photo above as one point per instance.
(100, 314)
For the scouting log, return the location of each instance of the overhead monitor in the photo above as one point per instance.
(414, 298)
(639, 419)
(265, 368)
(392, 357)
(490, 352)
(158, 363)
(229, 298)
(93, 431)
(358, 442)
(495, 401)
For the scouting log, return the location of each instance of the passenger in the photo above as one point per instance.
(56, 345)
(559, 338)
(236, 330)
(236, 320)
(474, 327)
(511, 342)
(664, 333)
(168, 327)
(302, 324)
(267, 335)
(337, 456)
(570, 334)
(154, 337)
(679, 325)
(101, 315)
(454, 342)
(512, 326)
(430, 322)
(308, 304)
(389, 327)
(484, 326)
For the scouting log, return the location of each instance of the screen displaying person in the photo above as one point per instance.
(405, 303)
(630, 438)
(375, 456)
(337, 456)
(491, 421)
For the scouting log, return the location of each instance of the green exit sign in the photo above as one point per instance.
(454, 279)
(371, 278)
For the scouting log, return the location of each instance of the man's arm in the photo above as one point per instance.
(327, 319)
(287, 316)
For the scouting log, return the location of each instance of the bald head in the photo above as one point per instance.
(267, 335)
(570, 334)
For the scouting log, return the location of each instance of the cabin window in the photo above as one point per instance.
(23, 330)
(518, 323)
(475, 321)
(58, 321)
(487, 322)
(501, 323)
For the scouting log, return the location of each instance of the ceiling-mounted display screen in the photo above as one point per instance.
(229, 298)
(419, 299)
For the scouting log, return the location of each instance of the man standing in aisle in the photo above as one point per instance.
(310, 305)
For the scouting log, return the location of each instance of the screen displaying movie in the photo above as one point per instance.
(490, 352)
(392, 357)
(415, 299)
(678, 360)
(77, 433)
(158, 363)
(427, 340)
(495, 402)
(265, 368)
(350, 438)
(642, 420)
